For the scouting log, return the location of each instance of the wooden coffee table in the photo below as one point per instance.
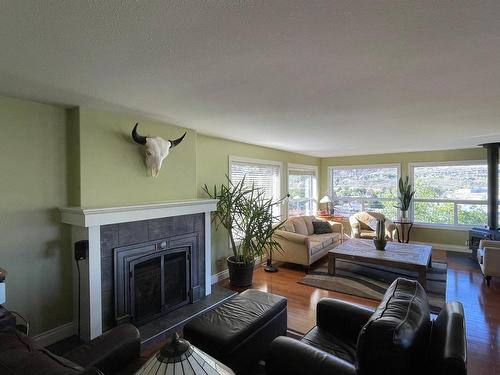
(398, 255)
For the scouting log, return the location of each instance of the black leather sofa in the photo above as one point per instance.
(115, 352)
(396, 338)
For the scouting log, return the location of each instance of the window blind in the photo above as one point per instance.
(263, 176)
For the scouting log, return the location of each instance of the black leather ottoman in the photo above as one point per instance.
(238, 332)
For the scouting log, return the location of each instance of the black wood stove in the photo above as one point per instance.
(491, 232)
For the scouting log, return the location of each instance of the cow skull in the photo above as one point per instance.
(157, 149)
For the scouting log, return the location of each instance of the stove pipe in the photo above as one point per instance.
(492, 156)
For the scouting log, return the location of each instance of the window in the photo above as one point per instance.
(450, 193)
(263, 174)
(364, 188)
(303, 190)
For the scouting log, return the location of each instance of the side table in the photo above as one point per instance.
(404, 235)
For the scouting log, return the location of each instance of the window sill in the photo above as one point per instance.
(460, 228)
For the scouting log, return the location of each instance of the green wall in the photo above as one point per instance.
(34, 246)
(112, 167)
(440, 236)
(212, 166)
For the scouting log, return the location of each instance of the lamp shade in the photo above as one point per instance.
(325, 199)
(179, 357)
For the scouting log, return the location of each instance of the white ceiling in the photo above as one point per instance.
(324, 78)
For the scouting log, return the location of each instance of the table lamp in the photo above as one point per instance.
(179, 357)
(326, 199)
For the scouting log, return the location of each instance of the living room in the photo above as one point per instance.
(118, 120)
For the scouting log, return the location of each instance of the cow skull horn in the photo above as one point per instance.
(175, 142)
(137, 137)
(157, 149)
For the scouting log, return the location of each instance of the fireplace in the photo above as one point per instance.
(168, 262)
(153, 278)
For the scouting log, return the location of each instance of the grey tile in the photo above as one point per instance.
(131, 233)
(109, 239)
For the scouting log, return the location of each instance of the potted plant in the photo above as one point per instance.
(405, 196)
(247, 215)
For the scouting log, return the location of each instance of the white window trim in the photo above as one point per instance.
(306, 167)
(456, 227)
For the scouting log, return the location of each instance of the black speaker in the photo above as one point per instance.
(81, 250)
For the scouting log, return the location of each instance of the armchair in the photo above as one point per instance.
(488, 256)
(360, 227)
(398, 337)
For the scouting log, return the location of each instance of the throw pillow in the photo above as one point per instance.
(321, 227)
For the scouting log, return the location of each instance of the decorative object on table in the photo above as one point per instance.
(405, 196)
(157, 149)
(327, 200)
(179, 357)
(379, 239)
(3, 274)
(406, 225)
(371, 280)
(247, 215)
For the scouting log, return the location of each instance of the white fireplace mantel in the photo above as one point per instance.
(87, 217)
(86, 225)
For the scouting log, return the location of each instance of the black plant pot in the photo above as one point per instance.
(380, 244)
(240, 274)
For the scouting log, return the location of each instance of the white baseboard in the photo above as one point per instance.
(225, 274)
(220, 276)
(446, 247)
(55, 334)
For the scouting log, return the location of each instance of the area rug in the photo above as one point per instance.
(371, 281)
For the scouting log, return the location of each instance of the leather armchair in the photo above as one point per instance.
(115, 352)
(360, 227)
(396, 338)
(488, 256)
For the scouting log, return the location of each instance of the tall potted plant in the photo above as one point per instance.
(405, 196)
(247, 215)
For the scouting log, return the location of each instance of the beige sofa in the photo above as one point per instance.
(361, 229)
(300, 244)
(488, 256)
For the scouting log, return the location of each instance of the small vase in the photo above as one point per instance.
(404, 215)
(379, 244)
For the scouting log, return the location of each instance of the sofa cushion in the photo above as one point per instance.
(299, 225)
(325, 341)
(325, 239)
(288, 227)
(315, 247)
(394, 341)
(309, 223)
(321, 227)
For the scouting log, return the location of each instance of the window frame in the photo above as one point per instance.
(242, 159)
(456, 202)
(304, 167)
(363, 166)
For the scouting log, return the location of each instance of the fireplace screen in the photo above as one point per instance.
(159, 283)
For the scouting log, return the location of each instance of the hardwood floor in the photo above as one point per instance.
(464, 283)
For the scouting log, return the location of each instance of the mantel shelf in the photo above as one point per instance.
(87, 217)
